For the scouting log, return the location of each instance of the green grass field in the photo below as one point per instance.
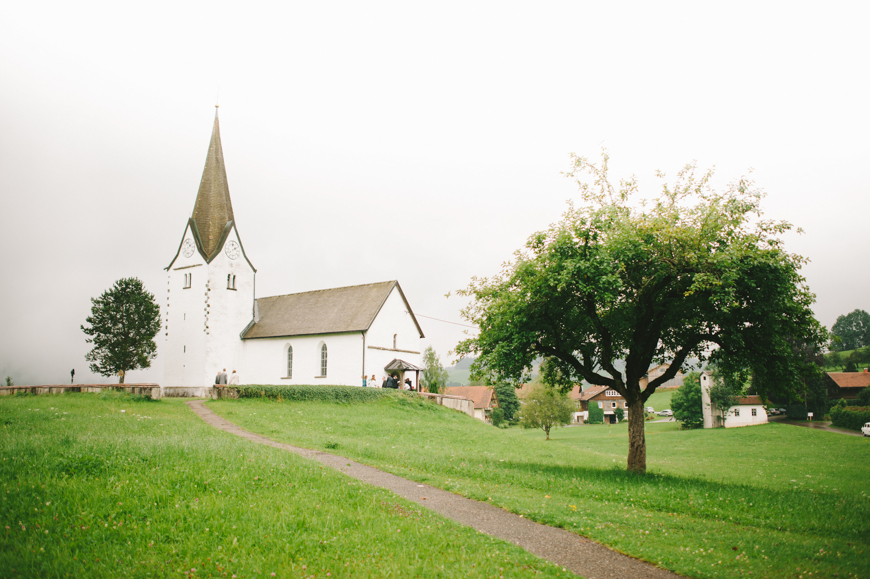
(765, 501)
(110, 486)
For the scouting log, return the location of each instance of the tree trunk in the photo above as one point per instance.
(122, 375)
(636, 438)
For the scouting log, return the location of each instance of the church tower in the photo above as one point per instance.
(210, 285)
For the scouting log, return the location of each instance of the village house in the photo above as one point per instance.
(607, 399)
(657, 371)
(483, 397)
(846, 384)
(748, 411)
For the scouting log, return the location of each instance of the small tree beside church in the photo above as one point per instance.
(434, 375)
(123, 323)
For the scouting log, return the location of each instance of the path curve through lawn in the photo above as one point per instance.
(582, 556)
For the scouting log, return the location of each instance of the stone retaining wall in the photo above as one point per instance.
(151, 390)
(188, 391)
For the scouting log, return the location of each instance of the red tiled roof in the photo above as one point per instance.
(850, 379)
(480, 395)
(749, 401)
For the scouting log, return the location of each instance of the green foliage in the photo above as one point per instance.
(305, 392)
(497, 417)
(796, 411)
(864, 396)
(552, 375)
(434, 377)
(665, 281)
(545, 408)
(852, 417)
(619, 413)
(851, 331)
(706, 492)
(9, 381)
(507, 400)
(596, 414)
(850, 366)
(122, 326)
(686, 402)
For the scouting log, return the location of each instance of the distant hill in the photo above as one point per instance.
(463, 364)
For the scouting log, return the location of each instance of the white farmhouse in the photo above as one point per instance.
(748, 411)
(213, 319)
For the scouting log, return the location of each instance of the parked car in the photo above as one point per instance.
(666, 412)
(773, 411)
(866, 429)
(650, 409)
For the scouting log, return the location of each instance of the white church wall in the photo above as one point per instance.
(265, 360)
(706, 408)
(742, 415)
(184, 320)
(393, 319)
(227, 311)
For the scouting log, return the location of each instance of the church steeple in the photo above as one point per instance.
(213, 211)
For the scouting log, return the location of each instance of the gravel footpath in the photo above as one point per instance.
(582, 556)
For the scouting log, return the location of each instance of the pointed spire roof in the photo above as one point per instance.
(213, 210)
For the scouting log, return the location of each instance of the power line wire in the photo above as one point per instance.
(446, 321)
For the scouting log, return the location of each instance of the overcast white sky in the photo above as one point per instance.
(368, 141)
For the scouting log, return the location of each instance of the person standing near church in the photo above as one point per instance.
(217, 378)
(234, 379)
(384, 382)
(364, 380)
(222, 377)
(373, 382)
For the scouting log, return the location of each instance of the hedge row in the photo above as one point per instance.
(852, 417)
(344, 394)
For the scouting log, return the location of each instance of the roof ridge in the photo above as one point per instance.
(327, 289)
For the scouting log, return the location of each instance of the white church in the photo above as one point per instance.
(214, 320)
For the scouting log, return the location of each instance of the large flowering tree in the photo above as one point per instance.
(692, 274)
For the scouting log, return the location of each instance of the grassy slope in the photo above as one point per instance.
(771, 501)
(91, 491)
(660, 399)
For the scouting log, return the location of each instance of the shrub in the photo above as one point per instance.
(596, 415)
(620, 414)
(796, 412)
(851, 417)
(497, 416)
(864, 396)
(507, 400)
(343, 394)
(686, 402)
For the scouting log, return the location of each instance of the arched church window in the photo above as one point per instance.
(231, 281)
(394, 341)
(188, 278)
(323, 360)
(289, 361)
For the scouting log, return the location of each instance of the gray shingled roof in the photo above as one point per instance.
(329, 311)
(213, 209)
